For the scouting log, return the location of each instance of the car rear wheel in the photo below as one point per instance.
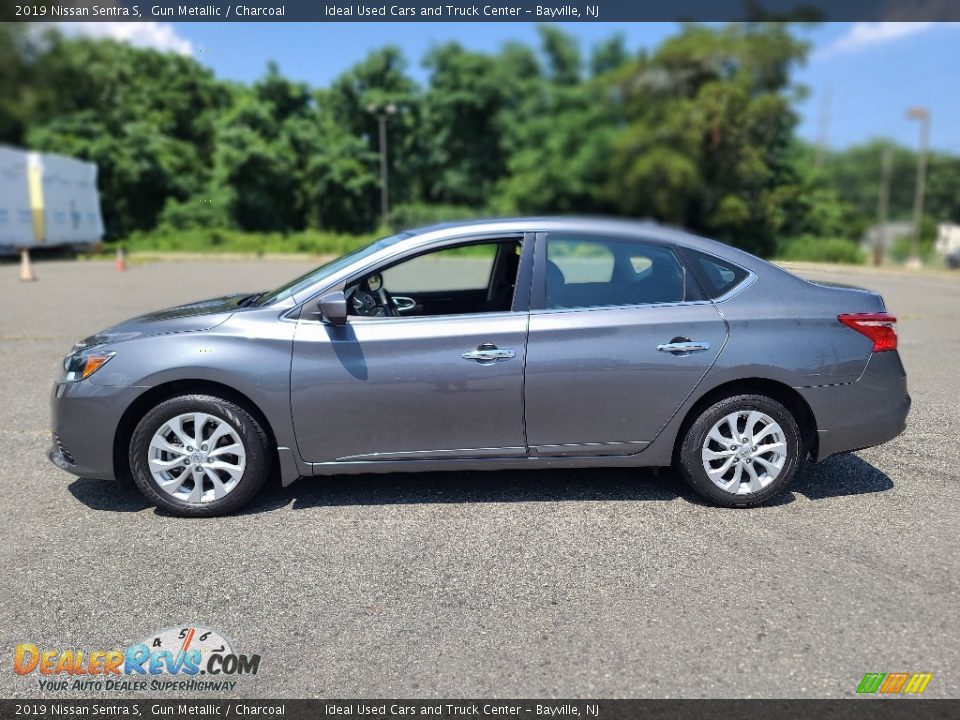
(740, 451)
(199, 456)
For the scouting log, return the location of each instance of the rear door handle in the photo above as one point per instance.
(488, 353)
(683, 346)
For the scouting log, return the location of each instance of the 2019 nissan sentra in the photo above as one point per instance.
(495, 344)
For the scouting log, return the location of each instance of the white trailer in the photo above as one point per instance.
(47, 200)
(16, 218)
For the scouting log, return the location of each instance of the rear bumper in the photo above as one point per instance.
(862, 414)
(876, 431)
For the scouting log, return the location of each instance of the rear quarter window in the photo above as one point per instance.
(717, 276)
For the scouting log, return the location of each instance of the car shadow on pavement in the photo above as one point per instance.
(108, 495)
(845, 474)
(504, 486)
(837, 476)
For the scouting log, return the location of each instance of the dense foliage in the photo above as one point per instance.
(698, 132)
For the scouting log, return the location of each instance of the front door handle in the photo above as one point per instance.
(488, 353)
(683, 345)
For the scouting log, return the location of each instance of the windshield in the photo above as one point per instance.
(319, 273)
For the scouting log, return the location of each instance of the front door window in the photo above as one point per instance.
(464, 279)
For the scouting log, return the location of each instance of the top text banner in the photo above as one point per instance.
(490, 11)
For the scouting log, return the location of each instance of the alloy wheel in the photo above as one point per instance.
(197, 457)
(744, 452)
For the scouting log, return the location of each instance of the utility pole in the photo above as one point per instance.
(880, 239)
(923, 115)
(382, 116)
(822, 133)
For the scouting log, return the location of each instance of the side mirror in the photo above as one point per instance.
(333, 308)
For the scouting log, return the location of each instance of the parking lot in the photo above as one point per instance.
(584, 583)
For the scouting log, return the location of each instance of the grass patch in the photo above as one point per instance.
(218, 240)
(826, 250)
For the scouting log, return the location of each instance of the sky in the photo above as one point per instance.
(861, 77)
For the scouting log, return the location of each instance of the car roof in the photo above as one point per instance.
(439, 235)
(638, 229)
(535, 224)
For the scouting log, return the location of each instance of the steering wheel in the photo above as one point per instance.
(371, 299)
(386, 302)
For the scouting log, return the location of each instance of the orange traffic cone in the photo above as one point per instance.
(26, 269)
(121, 262)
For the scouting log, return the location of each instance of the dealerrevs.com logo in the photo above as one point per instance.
(188, 657)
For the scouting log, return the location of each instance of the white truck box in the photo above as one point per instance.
(47, 200)
(16, 219)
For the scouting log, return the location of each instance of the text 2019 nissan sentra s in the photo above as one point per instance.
(488, 345)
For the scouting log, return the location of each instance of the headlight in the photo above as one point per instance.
(82, 365)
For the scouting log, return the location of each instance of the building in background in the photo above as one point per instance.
(891, 232)
(948, 239)
(47, 201)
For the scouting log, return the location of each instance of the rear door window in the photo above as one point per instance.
(608, 272)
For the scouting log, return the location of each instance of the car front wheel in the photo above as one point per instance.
(741, 451)
(199, 456)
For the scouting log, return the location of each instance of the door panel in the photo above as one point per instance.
(596, 382)
(446, 302)
(397, 388)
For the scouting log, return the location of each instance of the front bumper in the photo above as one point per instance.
(84, 419)
(862, 414)
(60, 458)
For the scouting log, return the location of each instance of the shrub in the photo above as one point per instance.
(814, 249)
(200, 211)
(404, 217)
(225, 240)
(901, 248)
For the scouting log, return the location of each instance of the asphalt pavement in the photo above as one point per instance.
(580, 583)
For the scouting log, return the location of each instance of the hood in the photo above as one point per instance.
(193, 317)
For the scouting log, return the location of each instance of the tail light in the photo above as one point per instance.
(879, 327)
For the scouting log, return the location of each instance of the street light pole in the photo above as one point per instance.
(923, 115)
(382, 116)
(384, 181)
(880, 241)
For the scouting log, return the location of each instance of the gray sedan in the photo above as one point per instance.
(544, 342)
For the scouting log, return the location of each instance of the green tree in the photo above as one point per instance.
(811, 204)
(145, 117)
(608, 55)
(19, 81)
(263, 144)
(698, 132)
(466, 108)
(856, 172)
(564, 63)
(709, 126)
(342, 185)
(358, 96)
(561, 154)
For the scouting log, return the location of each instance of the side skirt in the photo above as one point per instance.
(487, 463)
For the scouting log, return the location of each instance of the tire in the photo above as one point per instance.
(233, 467)
(762, 475)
